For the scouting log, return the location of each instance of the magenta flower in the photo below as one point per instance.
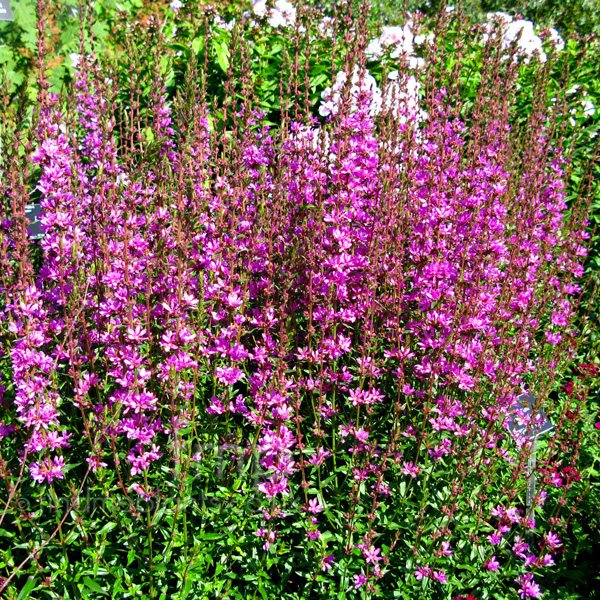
(495, 538)
(216, 407)
(139, 489)
(547, 561)
(445, 550)
(359, 581)
(520, 547)
(552, 540)
(48, 470)
(95, 461)
(440, 576)
(229, 375)
(394, 280)
(528, 589)
(361, 435)
(371, 554)
(327, 562)
(410, 469)
(315, 506)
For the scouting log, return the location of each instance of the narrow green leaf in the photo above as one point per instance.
(130, 556)
(27, 588)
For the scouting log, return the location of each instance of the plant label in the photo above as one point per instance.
(541, 424)
(5, 11)
(33, 212)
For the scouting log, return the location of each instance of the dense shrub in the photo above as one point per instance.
(272, 341)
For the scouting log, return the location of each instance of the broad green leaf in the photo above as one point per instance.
(6, 54)
(197, 45)
(222, 50)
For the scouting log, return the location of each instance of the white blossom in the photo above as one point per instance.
(502, 16)
(556, 39)
(374, 49)
(416, 62)
(400, 37)
(219, 22)
(122, 179)
(402, 99)
(401, 40)
(324, 27)
(283, 12)
(529, 44)
(422, 38)
(588, 108)
(259, 7)
(332, 96)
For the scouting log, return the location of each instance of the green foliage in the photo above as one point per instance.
(582, 16)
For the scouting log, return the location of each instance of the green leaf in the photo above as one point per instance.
(149, 134)
(186, 590)
(70, 466)
(5, 54)
(27, 588)
(197, 45)
(108, 528)
(100, 30)
(222, 50)
(93, 585)
(130, 556)
(25, 17)
(118, 588)
(159, 568)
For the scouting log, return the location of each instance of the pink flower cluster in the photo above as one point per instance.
(359, 299)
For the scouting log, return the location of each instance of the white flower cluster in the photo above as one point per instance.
(219, 22)
(529, 43)
(325, 27)
(556, 39)
(589, 108)
(332, 96)
(282, 13)
(401, 98)
(401, 40)
(399, 37)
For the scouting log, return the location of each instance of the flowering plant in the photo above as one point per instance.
(287, 355)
